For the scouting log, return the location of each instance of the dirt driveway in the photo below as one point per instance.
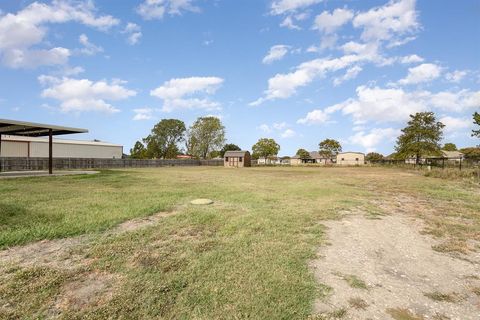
(382, 267)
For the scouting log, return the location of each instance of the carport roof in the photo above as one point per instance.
(31, 129)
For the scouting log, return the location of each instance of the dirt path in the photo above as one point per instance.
(384, 268)
(66, 253)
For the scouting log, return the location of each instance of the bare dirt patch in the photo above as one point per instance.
(66, 253)
(399, 268)
(89, 290)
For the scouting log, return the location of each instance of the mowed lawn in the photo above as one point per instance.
(245, 256)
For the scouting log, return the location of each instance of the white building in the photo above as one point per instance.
(32, 147)
(350, 159)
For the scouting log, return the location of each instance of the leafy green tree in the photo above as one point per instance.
(205, 135)
(303, 154)
(476, 120)
(229, 147)
(449, 147)
(138, 151)
(374, 157)
(420, 137)
(265, 148)
(329, 148)
(471, 152)
(164, 139)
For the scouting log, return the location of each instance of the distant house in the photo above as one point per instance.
(450, 156)
(184, 156)
(272, 160)
(350, 159)
(314, 157)
(237, 159)
(455, 156)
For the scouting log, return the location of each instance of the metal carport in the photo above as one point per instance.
(31, 129)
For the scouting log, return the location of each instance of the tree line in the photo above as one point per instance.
(169, 138)
(205, 139)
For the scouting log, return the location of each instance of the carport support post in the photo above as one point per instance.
(50, 152)
(0, 151)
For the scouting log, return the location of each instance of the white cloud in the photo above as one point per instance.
(143, 114)
(370, 140)
(21, 31)
(289, 133)
(265, 128)
(174, 93)
(288, 6)
(329, 22)
(156, 9)
(319, 116)
(394, 105)
(289, 23)
(413, 58)
(276, 53)
(282, 86)
(133, 32)
(280, 125)
(389, 22)
(455, 124)
(78, 95)
(425, 72)
(456, 76)
(89, 48)
(351, 73)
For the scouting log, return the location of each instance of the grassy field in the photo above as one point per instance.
(246, 256)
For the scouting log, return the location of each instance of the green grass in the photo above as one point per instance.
(246, 256)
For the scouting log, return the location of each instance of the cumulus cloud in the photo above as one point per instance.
(78, 95)
(89, 48)
(351, 73)
(370, 140)
(276, 53)
(329, 22)
(279, 7)
(289, 23)
(188, 93)
(289, 133)
(453, 124)
(413, 58)
(456, 76)
(282, 86)
(20, 33)
(265, 128)
(143, 114)
(383, 105)
(389, 22)
(156, 9)
(319, 116)
(425, 72)
(133, 32)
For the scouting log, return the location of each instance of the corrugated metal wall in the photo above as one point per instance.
(14, 149)
(60, 150)
(63, 150)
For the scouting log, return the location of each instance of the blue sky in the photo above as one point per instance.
(298, 71)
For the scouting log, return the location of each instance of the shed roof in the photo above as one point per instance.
(351, 152)
(452, 154)
(236, 153)
(32, 129)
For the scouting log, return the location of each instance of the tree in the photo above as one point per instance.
(138, 151)
(205, 135)
(374, 157)
(449, 147)
(329, 148)
(471, 152)
(303, 154)
(420, 137)
(229, 147)
(265, 148)
(476, 120)
(164, 139)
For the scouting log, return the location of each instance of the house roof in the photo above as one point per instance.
(452, 154)
(236, 153)
(351, 152)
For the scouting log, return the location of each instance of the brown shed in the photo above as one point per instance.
(237, 159)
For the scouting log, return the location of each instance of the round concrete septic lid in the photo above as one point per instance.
(201, 201)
